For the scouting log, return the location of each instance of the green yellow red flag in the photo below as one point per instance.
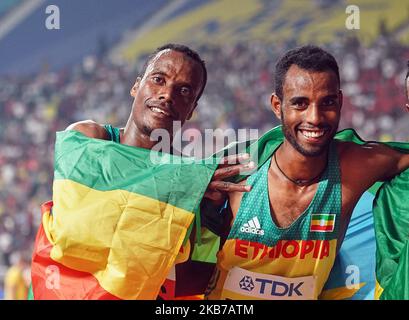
(117, 221)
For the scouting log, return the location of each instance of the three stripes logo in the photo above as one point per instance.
(252, 226)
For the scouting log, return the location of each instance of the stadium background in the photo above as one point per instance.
(84, 70)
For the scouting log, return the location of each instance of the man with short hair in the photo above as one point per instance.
(167, 90)
(169, 87)
(285, 233)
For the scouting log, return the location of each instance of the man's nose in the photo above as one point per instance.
(167, 94)
(313, 114)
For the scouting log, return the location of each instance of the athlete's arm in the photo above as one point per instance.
(374, 161)
(89, 128)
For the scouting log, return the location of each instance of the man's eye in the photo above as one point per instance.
(300, 104)
(157, 80)
(185, 91)
(328, 102)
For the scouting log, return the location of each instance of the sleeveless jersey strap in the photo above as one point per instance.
(113, 133)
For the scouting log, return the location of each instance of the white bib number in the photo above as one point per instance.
(244, 284)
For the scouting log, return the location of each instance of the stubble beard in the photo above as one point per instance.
(293, 141)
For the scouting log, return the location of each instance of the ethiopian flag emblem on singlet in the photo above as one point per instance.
(322, 222)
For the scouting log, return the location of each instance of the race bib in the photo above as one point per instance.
(244, 284)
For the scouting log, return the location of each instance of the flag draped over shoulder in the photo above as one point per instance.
(391, 210)
(374, 254)
(118, 218)
(376, 238)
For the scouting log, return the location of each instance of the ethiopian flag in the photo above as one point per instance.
(117, 220)
(322, 222)
(391, 211)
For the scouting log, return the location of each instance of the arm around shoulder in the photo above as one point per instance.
(377, 160)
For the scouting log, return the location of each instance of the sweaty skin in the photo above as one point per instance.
(310, 113)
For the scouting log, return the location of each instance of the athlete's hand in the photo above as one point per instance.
(218, 188)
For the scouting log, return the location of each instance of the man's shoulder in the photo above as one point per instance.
(351, 149)
(90, 129)
(373, 160)
(345, 146)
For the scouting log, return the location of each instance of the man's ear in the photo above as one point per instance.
(276, 105)
(135, 87)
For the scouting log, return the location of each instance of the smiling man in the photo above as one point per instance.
(167, 90)
(284, 234)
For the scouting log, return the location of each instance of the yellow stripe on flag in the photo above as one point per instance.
(378, 290)
(322, 223)
(127, 241)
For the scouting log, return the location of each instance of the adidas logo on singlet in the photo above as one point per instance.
(252, 226)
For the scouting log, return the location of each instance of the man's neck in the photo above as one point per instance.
(134, 137)
(298, 166)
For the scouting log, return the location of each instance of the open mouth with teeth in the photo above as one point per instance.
(313, 135)
(160, 112)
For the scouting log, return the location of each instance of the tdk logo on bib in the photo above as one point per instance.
(272, 288)
(252, 226)
(248, 285)
(279, 289)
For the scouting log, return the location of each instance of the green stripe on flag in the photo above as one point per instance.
(391, 218)
(327, 217)
(106, 165)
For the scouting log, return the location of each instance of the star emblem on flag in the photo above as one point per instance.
(246, 283)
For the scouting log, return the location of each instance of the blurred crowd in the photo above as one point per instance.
(240, 82)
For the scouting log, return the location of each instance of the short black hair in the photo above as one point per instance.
(185, 50)
(307, 57)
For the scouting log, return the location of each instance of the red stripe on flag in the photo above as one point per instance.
(53, 281)
(322, 228)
